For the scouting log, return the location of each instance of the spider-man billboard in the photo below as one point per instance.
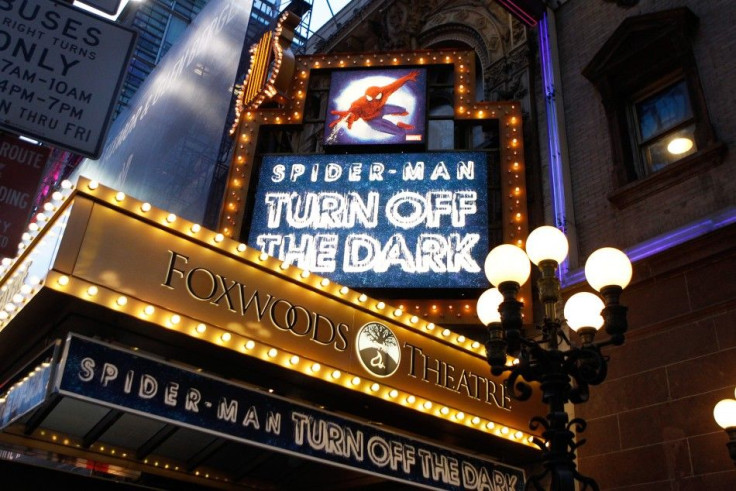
(380, 106)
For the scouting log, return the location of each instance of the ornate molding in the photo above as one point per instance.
(457, 32)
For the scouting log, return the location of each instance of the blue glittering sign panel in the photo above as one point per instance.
(133, 382)
(399, 220)
(25, 396)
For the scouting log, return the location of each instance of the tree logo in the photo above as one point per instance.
(378, 349)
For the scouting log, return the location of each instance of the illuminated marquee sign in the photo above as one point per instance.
(271, 67)
(200, 284)
(130, 381)
(380, 106)
(370, 220)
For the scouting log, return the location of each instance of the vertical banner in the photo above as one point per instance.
(21, 169)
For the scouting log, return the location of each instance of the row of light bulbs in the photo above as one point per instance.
(111, 451)
(15, 270)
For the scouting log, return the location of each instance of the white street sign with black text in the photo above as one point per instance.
(60, 73)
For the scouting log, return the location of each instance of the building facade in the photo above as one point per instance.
(631, 78)
(572, 105)
(605, 86)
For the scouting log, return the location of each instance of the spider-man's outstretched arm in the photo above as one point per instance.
(351, 117)
(389, 89)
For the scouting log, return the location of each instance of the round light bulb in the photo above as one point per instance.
(608, 267)
(679, 145)
(584, 310)
(725, 413)
(488, 304)
(507, 263)
(546, 242)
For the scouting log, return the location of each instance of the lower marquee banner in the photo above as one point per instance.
(130, 381)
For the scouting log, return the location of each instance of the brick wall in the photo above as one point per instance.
(651, 422)
(583, 27)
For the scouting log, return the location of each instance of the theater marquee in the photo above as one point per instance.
(129, 257)
(131, 381)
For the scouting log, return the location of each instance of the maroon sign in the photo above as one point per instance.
(21, 169)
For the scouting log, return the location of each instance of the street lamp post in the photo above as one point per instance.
(564, 369)
(725, 415)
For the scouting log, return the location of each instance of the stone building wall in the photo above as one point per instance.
(583, 27)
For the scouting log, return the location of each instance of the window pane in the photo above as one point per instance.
(663, 152)
(441, 134)
(173, 33)
(663, 111)
(440, 107)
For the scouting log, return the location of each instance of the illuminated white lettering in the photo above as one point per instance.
(393, 454)
(227, 410)
(354, 172)
(273, 423)
(87, 369)
(440, 171)
(296, 171)
(405, 209)
(396, 253)
(172, 390)
(128, 386)
(278, 173)
(413, 173)
(251, 418)
(360, 253)
(459, 256)
(315, 253)
(333, 172)
(148, 387)
(321, 210)
(440, 204)
(191, 402)
(433, 252)
(327, 436)
(376, 172)
(408, 209)
(109, 373)
(439, 467)
(479, 479)
(466, 170)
